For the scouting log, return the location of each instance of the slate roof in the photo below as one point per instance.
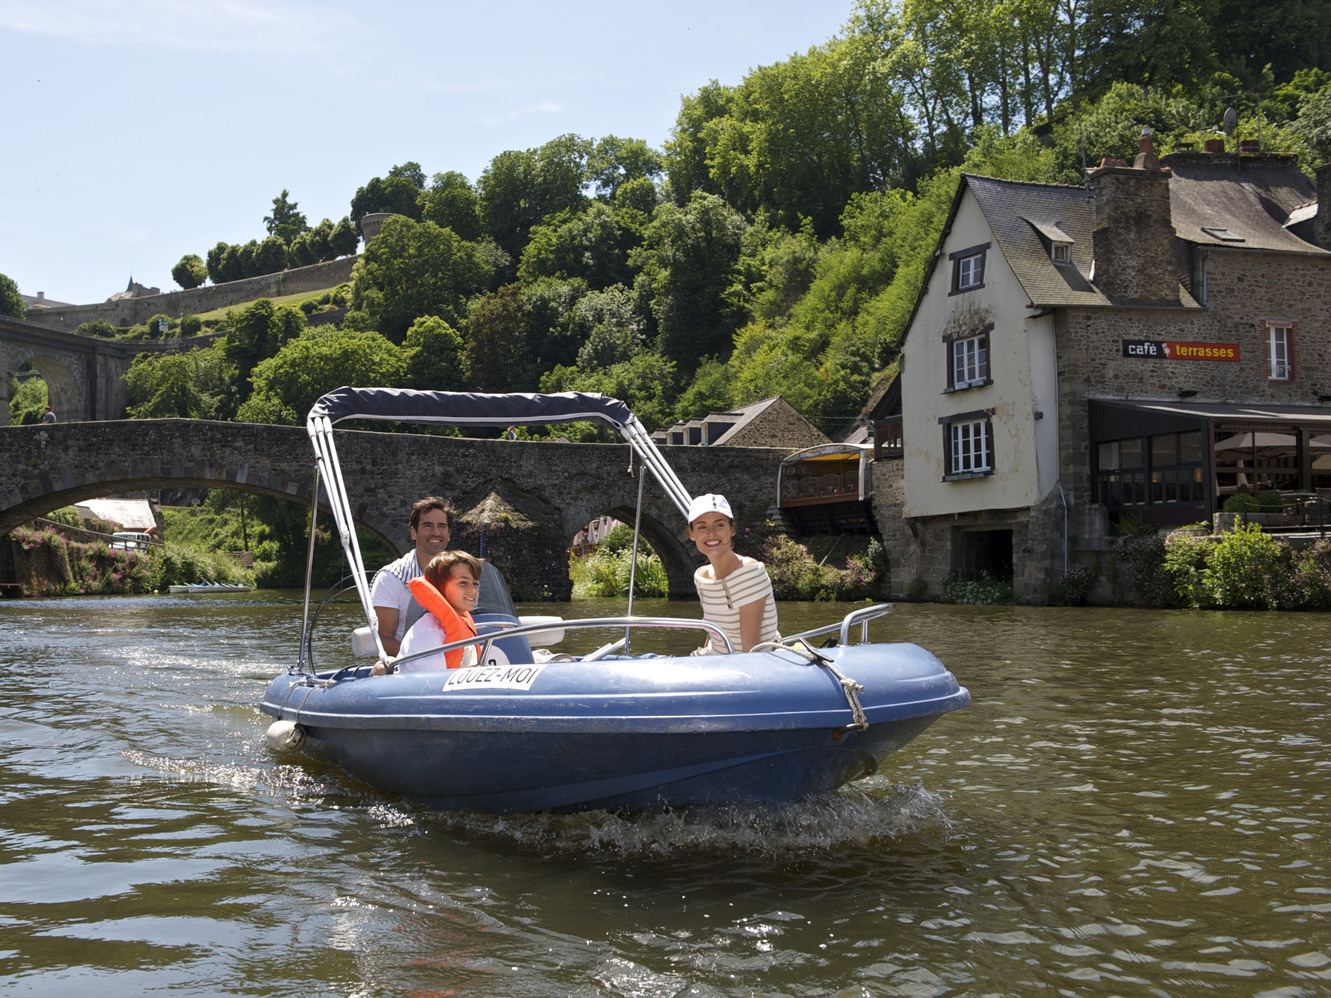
(1253, 199)
(1216, 200)
(1022, 215)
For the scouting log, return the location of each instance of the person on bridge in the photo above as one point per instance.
(736, 591)
(431, 527)
(47, 415)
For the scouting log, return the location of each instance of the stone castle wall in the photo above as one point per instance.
(126, 312)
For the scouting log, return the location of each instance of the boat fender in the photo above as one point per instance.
(285, 736)
(363, 644)
(456, 625)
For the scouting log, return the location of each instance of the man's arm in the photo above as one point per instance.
(387, 628)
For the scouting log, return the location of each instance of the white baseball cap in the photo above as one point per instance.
(709, 503)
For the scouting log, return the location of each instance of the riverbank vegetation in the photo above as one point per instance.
(797, 572)
(1242, 569)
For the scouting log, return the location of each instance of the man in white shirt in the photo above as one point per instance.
(431, 527)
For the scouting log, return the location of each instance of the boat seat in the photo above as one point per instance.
(516, 648)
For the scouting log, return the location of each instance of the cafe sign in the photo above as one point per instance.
(1174, 350)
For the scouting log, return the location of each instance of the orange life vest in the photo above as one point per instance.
(456, 625)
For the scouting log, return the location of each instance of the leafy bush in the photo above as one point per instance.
(607, 572)
(1141, 558)
(1185, 562)
(983, 591)
(1242, 569)
(796, 576)
(1075, 585)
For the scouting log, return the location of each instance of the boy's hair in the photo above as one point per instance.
(441, 566)
(432, 502)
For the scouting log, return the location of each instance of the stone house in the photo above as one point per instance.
(1143, 346)
(773, 422)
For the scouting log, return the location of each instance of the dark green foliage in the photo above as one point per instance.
(414, 269)
(11, 302)
(287, 221)
(190, 272)
(396, 194)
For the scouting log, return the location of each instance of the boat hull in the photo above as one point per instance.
(621, 732)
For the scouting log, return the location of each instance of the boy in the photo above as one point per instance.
(448, 590)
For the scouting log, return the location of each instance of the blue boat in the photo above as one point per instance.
(532, 728)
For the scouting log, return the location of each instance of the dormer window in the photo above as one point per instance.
(1057, 242)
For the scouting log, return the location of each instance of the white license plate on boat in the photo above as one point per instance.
(493, 677)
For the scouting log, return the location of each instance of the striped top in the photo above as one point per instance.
(722, 599)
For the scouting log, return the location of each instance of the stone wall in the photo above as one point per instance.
(126, 312)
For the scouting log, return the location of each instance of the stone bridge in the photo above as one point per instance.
(84, 375)
(520, 502)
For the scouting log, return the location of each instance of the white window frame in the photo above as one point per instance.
(970, 448)
(970, 361)
(1061, 253)
(1280, 351)
(970, 271)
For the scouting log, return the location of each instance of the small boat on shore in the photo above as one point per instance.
(209, 587)
(531, 728)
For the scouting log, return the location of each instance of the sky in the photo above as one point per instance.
(138, 131)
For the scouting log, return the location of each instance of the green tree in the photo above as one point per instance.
(179, 383)
(591, 244)
(686, 261)
(452, 203)
(287, 221)
(270, 257)
(519, 189)
(608, 326)
(321, 241)
(11, 302)
(433, 355)
(28, 398)
(190, 272)
(300, 253)
(613, 161)
(496, 358)
(215, 263)
(397, 194)
(345, 239)
(256, 333)
(800, 137)
(647, 382)
(415, 269)
(287, 384)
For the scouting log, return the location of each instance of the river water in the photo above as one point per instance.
(1136, 803)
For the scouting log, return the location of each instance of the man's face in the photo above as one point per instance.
(430, 534)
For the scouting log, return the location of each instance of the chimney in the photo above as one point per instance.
(1322, 223)
(1133, 241)
(1146, 157)
(1215, 145)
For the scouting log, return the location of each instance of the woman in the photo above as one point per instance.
(735, 591)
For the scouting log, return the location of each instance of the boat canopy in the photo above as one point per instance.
(405, 405)
(471, 408)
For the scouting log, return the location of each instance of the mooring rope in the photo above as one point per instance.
(849, 687)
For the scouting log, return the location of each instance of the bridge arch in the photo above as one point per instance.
(549, 490)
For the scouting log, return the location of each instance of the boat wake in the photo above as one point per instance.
(865, 817)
